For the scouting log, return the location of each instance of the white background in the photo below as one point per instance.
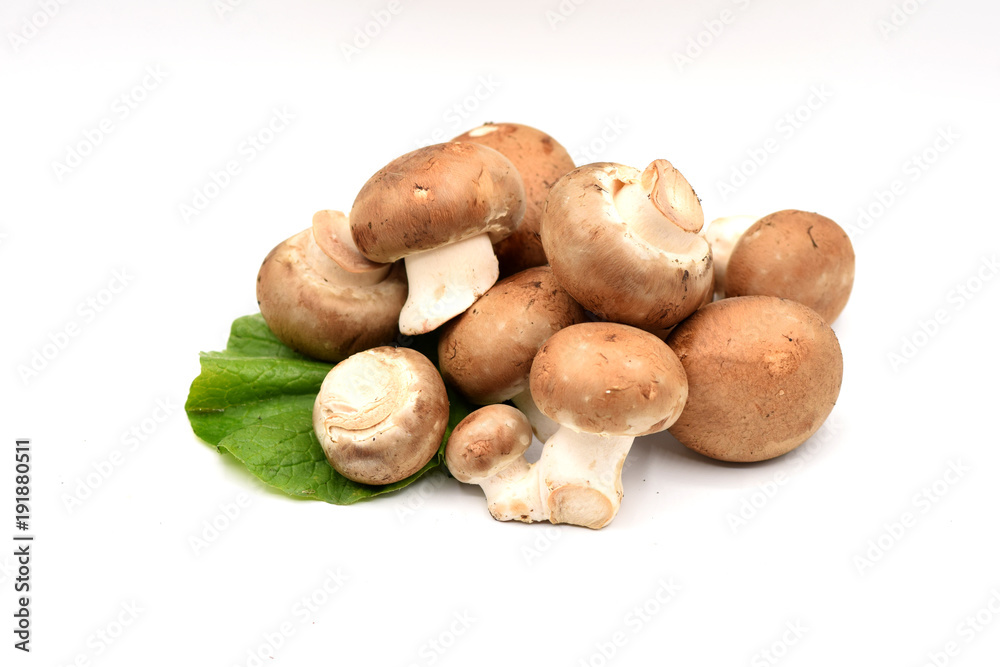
(428, 564)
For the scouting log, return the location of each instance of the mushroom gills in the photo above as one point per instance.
(445, 281)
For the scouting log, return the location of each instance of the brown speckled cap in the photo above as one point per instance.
(541, 161)
(435, 196)
(486, 352)
(606, 378)
(487, 441)
(794, 255)
(763, 374)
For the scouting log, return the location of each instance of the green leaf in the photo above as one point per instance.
(255, 401)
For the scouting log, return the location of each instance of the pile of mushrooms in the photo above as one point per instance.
(617, 316)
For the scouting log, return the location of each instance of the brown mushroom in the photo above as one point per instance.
(624, 243)
(322, 310)
(486, 352)
(794, 255)
(541, 161)
(440, 208)
(763, 374)
(381, 414)
(487, 448)
(605, 384)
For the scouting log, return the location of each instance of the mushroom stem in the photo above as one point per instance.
(542, 426)
(662, 208)
(513, 494)
(445, 281)
(580, 476)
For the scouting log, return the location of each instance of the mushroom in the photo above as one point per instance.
(795, 255)
(722, 234)
(624, 243)
(763, 374)
(381, 414)
(487, 448)
(604, 383)
(440, 208)
(486, 352)
(318, 308)
(541, 161)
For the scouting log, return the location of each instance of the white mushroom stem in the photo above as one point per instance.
(661, 208)
(330, 271)
(580, 477)
(543, 426)
(445, 281)
(722, 234)
(513, 493)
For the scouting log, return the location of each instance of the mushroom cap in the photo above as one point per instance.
(486, 352)
(637, 262)
(381, 414)
(763, 374)
(794, 255)
(311, 305)
(487, 441)
(610, 379)
(541, 161)
(434, 196)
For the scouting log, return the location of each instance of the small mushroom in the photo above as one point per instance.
(318, 308)
(440, 208)
(605, 384)
(763, 374)
(487, 448)
(624, 243)
(722, 234)
(794, 255)
(541, 161)
(486, 352)
(381, 414)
